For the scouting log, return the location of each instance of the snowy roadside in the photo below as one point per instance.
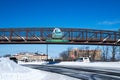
(112, 65)
(106, 65)
(102, 66)
(12, 71)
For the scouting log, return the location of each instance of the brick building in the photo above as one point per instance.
(94, 55)
(31, 57)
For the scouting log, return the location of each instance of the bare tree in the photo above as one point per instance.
(119, 53)
(69, 54)
(82, 54)
(94, 54)
(64, 55)
(87, 54)
(114, 52)
(105, 53)
(119, 46)
(70, 48)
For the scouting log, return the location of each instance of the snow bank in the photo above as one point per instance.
(9, 66)
(12, 71)
(92, 64)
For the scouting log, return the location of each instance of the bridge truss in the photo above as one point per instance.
(74, 35)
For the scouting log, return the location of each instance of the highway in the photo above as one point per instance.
(84, 73)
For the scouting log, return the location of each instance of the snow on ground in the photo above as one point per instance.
(33, 63)
(9, 66)
(12, 71)
(112, 65)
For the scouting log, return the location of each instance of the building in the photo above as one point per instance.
(94, 55)
(31, 57)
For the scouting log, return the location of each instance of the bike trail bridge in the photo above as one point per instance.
(72, 35)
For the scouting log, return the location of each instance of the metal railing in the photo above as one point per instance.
(74, 35)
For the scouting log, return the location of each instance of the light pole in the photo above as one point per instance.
(47, 51)
(119, 38)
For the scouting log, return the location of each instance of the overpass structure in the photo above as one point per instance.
(72, 35)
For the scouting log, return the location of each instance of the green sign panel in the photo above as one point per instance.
(56, 40)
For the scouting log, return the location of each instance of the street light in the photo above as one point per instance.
(47, 51)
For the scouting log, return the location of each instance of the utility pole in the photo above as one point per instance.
(119, 38)
(47, 51)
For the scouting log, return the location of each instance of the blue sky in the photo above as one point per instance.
(95, 14)
(98, 14)
(53, 50)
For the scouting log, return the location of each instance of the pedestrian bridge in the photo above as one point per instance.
(59, 36)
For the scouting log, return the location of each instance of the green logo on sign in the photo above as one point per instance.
(57, 36)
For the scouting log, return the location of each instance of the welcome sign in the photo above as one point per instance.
(57, 36)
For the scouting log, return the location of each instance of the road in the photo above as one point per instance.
(83, 73)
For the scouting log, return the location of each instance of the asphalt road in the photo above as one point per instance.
(79, 73)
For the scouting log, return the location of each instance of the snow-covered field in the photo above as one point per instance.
(112, 65)
(12, 71)
(103, 66)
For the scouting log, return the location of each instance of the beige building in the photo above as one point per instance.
(94, 55)
(31, 57)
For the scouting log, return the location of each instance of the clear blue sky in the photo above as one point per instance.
(95, 14)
